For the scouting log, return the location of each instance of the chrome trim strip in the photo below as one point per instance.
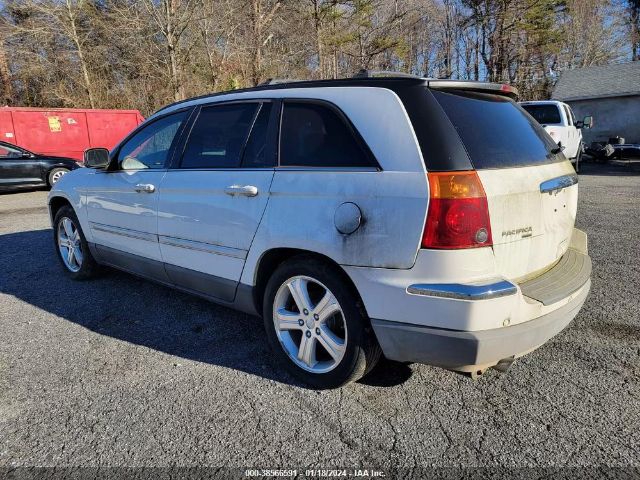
(458, 291)
(293, 168)
(558, 183)
(125, 232)
(202, 247)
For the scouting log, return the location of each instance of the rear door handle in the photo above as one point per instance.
(245, 191)
(145, 187)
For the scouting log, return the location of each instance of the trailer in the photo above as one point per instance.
(65, 132)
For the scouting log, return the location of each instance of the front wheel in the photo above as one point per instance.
(316, 325)
(71, 246)
(56, 174)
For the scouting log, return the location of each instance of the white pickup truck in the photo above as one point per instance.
(558, 120)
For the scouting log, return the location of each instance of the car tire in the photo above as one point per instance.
(55, 175)
(68, 237)
(578, 159)
(333, 325)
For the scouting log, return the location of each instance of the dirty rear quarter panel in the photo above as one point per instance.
(301, 208)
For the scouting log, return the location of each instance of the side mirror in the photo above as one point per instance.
(26, 155)
(587, 122)
(96, 158)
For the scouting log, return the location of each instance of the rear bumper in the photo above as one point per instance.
(466, 351)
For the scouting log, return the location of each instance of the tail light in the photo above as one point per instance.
(458, 215)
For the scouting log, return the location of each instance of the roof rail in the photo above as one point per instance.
(275, 81)
(364, 73)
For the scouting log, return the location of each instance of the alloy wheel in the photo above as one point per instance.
(310, 324)
(57, 176)
(69, 244)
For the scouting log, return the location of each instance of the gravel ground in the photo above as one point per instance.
(123, 372)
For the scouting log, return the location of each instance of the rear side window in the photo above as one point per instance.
(218, 136)
(496, 132)
(314, 135)
(544, 114)
(256, 153)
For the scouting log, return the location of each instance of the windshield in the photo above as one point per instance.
(496, 132)
(544, 114)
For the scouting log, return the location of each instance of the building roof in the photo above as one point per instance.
(598, 82)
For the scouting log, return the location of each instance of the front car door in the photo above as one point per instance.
(573, 141)
(18, 167)
(213, 198)
(122, 200)
(578, 131)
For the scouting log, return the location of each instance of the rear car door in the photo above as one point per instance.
(17, 168)
(122, 201)
(213, 198)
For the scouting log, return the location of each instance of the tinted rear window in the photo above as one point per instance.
(313, 135)
(218, 136)
(495, 131)
(544, 114)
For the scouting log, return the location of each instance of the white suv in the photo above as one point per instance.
(430, 221)
(558, 120)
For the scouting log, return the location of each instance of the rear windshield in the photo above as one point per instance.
(496, 132)
(544, 114)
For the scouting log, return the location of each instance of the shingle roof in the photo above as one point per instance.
(596, 82)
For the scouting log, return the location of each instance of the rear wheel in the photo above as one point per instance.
(73, 250)
(316, 325)
(56, 174)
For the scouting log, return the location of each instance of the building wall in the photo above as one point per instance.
(616, 116)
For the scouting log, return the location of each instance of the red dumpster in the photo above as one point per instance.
(65, 132)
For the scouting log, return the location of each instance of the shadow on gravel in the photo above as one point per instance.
(619, 331)
(141, 312)
(387, 373)
(9, 191)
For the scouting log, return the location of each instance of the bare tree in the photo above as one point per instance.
(261, 16)
(145, 53)
(172, 17)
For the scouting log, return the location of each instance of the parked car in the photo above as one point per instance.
(627, 151)
(20, 168)
(558, 120)
(427, 220)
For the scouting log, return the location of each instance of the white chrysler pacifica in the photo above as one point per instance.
(424, 220)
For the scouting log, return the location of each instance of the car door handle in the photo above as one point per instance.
(245, 191)
(145, 187)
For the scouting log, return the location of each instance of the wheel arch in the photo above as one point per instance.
(271, 259)
(55, 204)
